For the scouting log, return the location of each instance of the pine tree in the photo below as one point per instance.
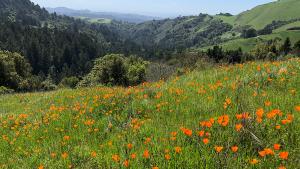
(286, 47)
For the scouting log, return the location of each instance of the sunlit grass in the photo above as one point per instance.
(242, 116)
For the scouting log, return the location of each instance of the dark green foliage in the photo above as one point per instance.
(216, 53)
(249, 33)
(5, 90)
(69, 82)
(15, 71)
(269, 50)
(48, 84)
(115, 69)
(136, 70)
(287, 46)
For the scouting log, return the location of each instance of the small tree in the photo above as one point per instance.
(286, 47)
(14, 71)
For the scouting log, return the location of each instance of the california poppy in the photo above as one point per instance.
(284, 155)
(218, 149)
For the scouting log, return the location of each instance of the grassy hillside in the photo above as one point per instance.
(243, 116)
(262, 15)
(248, 44)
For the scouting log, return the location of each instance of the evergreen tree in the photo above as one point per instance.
(286, 47)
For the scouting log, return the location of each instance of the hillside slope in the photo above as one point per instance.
(242, 116)
(262, 15)
(92, 16)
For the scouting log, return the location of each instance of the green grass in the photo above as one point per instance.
(248, 44)
(262, 15)
(287, 26)
(102, 121)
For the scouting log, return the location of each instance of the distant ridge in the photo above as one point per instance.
(126, 17)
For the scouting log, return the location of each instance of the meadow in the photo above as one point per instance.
(232, 116)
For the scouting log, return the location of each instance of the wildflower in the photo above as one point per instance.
(254, 161)
(223, 120)
(281, 167)
(284, 155)
(262, 153)
(234, 149)
(201, 133)
(260, 112)
(297, 108)
(116, 158)
(167, 157)
(66, 138)
(276, 146)
(187, 132)
(126, 163)
(177, 149)
(129, 146)
(238, 127)
(148, 140)
(268, 103)
(205, 140)
(93, 154)
(173, 134)
(277, 127)
(53, 155)
(41, 167)
(64, 155)
(218, 149)
(269, 151)
(133, 156)
(146, 154)
(155, 167)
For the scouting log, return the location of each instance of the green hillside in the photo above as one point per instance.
(248, 44)
(232, 114)
(262, 15)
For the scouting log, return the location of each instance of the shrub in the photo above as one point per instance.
(14, 70)
(69, 82)
(115, 69)
(4, 90)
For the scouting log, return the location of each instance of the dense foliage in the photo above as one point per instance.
(115, 69)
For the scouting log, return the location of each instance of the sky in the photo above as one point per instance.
(163, 8)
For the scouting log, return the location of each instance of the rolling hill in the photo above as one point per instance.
(100, 16)
(262, 15)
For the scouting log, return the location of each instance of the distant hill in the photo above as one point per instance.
(260, 16)
(95, 16)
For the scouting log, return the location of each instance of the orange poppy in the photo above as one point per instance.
(167, 157)
(238, 127)
(126, 163)
(64, 155)
(254, 161)
(133, 156)
(276, 146)
(201, 133)
(129, 146)
(177, 149)
(146, 154)
(297, 108)
(116, 158)
(284, 155)
(93, 154)
(234, 149)
(205, 140)
(218, 149)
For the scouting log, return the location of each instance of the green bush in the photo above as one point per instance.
(69, 82)
(115, 69)
(14, 71)
(4, 90)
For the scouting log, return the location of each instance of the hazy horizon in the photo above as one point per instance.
(166, 8)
